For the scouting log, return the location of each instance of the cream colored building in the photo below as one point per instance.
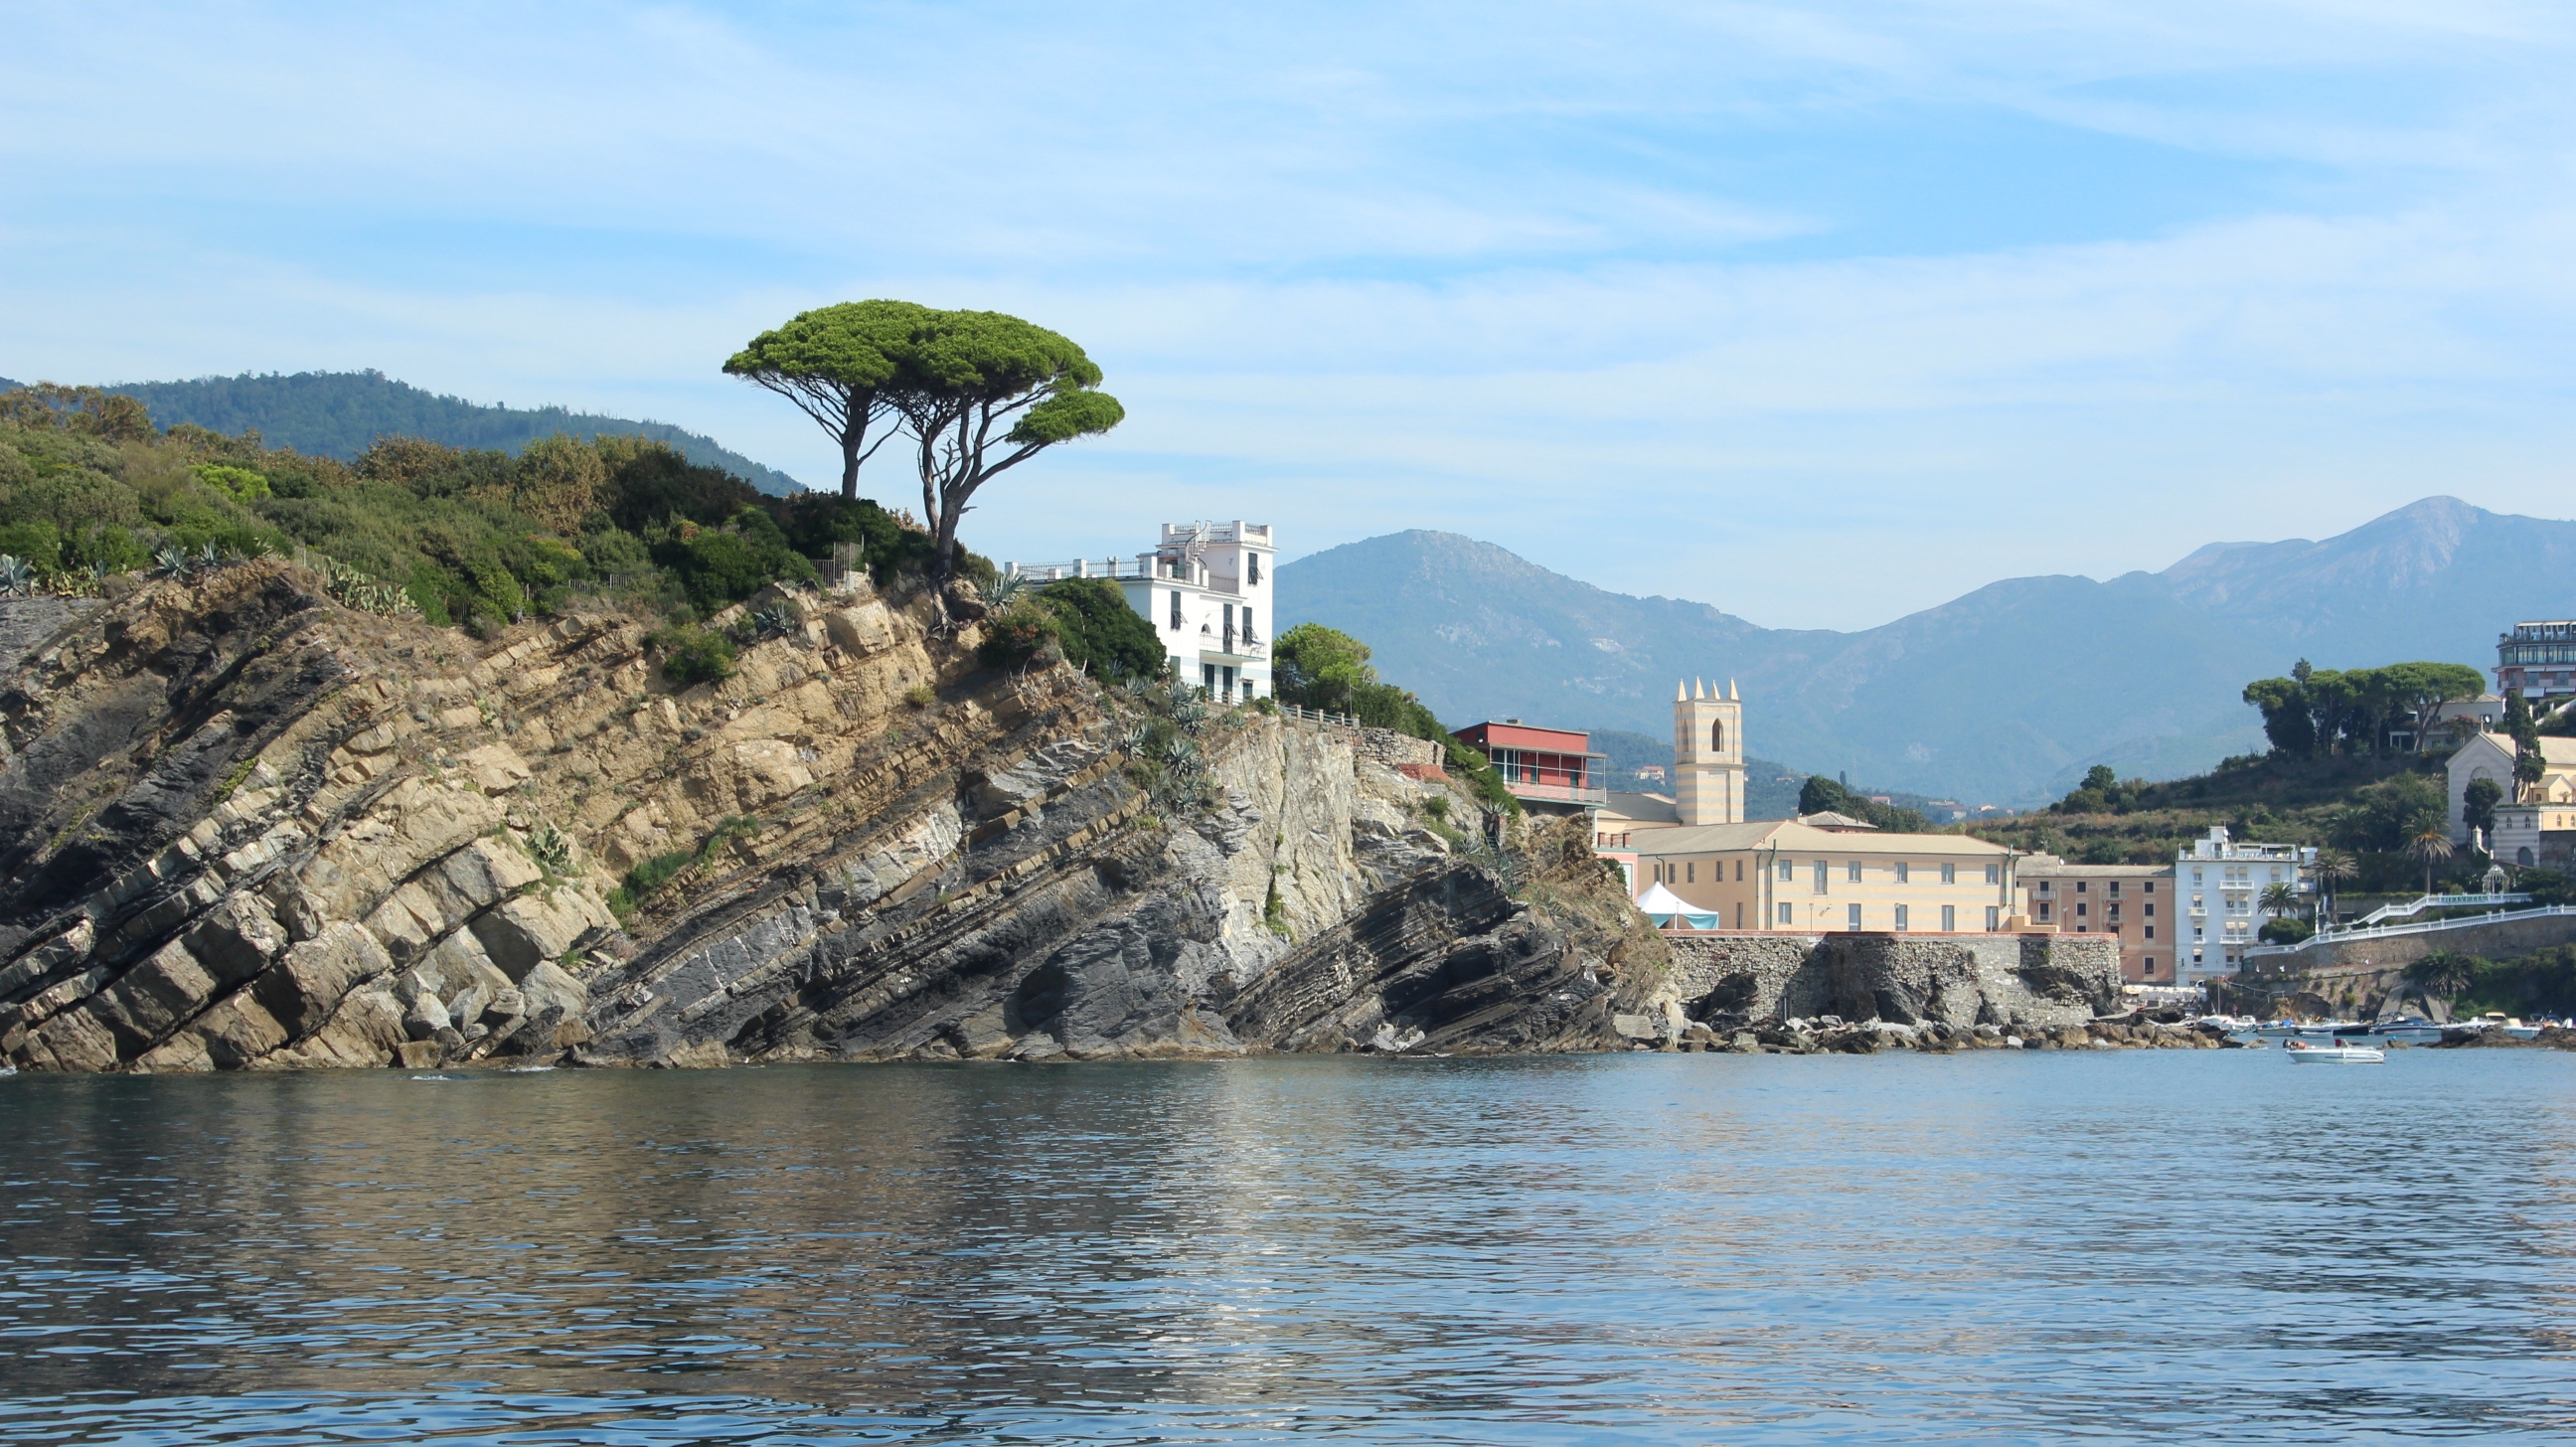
(1708, 755)
(1792, 875)
(2524, 825)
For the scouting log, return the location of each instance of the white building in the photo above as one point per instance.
(1206, 589)
(2218, 888)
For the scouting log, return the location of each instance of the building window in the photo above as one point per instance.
(1852, 872)
(1176, 607)
(2151, 909)
(1784, 914)
(1820, 876)
(1902, 869)
(2114, 888)
(1739, 871)
(1690, 874)
(2044, 908)
(1788, 870)
(1851, 917)
(1994, 874)
(2082, 909)
(1949, 874)
(2151, 931)
(2080, 886)
(2147, 967)
(1994, 918)
(1949, 919)
(1251, 578)
(1717, 738)
(2151, 888)
(2115, 914)
(1900, 917)
(1247, 626)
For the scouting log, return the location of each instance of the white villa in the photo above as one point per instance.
(1206, 589)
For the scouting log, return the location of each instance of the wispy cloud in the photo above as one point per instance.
(1815, 312)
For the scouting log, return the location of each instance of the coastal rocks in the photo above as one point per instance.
(242, 827)
(2029, 982)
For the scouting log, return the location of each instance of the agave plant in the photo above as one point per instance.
(210, 556)
(775, 621)
(17, 575)
(173, 561)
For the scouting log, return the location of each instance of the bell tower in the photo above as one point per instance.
(1708, 754)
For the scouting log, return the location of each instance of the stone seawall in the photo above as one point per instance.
(2375, 954)
(2030, 981)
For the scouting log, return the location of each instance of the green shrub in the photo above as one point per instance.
(1014, 635)
(1099, 631)
(34, 542)
(239, 483)
(692, 655)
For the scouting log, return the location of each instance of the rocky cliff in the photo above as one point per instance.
(243, 826)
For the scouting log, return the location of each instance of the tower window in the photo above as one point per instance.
(1717, 738)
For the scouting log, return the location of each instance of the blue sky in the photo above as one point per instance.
(1819, 313)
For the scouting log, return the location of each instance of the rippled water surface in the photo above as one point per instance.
(1647, 1248)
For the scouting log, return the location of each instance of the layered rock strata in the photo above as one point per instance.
(243, 827)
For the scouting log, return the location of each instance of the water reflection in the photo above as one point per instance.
(1653, 1249)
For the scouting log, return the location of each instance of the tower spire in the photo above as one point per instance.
(1730, 691)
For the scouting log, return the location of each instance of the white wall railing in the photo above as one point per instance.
(2392, 931)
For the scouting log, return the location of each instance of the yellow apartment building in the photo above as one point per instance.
(1795, 876)
(2134, 902)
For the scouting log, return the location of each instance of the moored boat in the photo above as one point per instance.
(2305, 1053)
(2412, 1030)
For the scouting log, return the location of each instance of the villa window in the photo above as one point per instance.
(1820, 876)
(2044, 908)
(2115, 889)
(1176, 607)
(1900, 917)
(2044, 887)
(2081, 886)
(2151, 888)
(1739, 871)
(1903, 869)
(2148, 967)
(1784, 914)
(1949, 919)
(1851, 917)
(1949, 874)
(2151, 909)
(2082, 909)
(1852, 872)
(1994, 918)
(2151, 931)
(1994, 874)
(1788, 871)
(1690, 874)
(1248, 635)
(1251, 578)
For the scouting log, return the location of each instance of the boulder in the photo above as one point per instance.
(425, 1017)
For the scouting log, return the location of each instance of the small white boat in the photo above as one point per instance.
(2413, 1030)
(2305, 1053)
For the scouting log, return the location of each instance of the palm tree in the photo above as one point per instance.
(2335, 868)
(2431, 844)
(2443, 972)
(2280, 899)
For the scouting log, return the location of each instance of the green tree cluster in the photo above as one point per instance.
(1323, 668)
(1820, 795)
(979, 392)
(2103, 791)
(2325, 711)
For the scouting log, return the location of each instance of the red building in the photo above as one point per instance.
(1553, 771)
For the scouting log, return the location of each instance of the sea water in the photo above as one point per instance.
(2104, 1246)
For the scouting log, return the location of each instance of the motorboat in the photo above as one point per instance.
(2333, 1030)
(2498, 1020)
(2306, 1054)
(2411, 1030)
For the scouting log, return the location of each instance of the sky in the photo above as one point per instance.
(1817, 313)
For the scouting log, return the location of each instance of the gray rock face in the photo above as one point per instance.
(2036, 982)
(242, 827)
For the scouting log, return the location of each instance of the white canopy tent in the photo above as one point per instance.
(1669, 910)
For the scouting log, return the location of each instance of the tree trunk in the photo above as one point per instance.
(852, 439)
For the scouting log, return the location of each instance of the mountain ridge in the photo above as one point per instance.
(2003, 694)
(341, 414)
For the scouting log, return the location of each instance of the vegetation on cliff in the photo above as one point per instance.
(1317, 667)
(477, 538)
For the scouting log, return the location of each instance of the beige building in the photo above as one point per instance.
(2537, 828)
(2134, 902)
(1794, 875)
(1708, 772)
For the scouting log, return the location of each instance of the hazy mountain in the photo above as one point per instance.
(340, 414)
(2004, 695)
